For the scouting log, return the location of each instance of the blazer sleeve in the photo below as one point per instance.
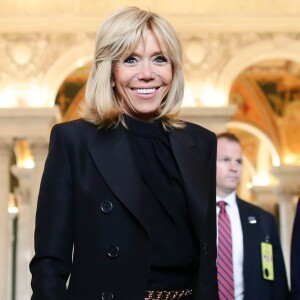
(295, 259)
(54, 232)
(209, 248)
(209, 229)
(210, 220)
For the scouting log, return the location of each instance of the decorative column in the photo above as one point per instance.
(25, 238)
(33, 125)
(6, 146)
(285, 191)
(212, 118)
(39, 149)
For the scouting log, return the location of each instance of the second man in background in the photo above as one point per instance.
(250, 261)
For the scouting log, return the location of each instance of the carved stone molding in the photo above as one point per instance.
(26, 57)
(27, 122)
(206, 54)
(183, 20)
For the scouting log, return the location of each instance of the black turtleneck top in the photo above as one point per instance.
(174, 260)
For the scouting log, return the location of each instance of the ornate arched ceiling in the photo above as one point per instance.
(268, 97)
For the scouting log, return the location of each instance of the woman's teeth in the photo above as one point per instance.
(144, 91)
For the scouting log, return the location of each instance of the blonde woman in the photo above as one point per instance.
(126, 208)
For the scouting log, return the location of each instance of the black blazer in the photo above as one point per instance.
(295, 256)
(90, 205)
(256, 287)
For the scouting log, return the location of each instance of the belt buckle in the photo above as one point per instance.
(168, 295)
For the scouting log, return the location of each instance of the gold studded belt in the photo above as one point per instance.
(167, 295)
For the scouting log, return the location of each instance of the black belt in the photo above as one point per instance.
(167, 295)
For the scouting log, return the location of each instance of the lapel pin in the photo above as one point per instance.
(252, 220)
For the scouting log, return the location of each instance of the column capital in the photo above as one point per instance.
(26, 122)
(289, 179)
(213, 118)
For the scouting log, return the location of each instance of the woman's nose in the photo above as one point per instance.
(146, 71)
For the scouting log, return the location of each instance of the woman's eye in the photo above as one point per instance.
(130, 60)
(161, 59)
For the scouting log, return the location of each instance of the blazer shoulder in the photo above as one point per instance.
(252, 208)
(74, 132)
(196, 129)
(75, 125)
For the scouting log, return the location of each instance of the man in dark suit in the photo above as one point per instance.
(295, 259)
(257, 260)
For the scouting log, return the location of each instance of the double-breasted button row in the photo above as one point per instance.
(106, 207)
(107, 296)
(113, 251)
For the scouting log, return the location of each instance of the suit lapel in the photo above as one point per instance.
(249, 235)
(113, 158)
(188, 157)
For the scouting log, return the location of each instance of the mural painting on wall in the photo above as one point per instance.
(71, 93)
(268, 97)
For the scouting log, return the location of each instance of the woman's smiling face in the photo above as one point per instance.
(143, 78)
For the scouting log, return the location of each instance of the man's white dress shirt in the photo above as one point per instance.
(237, 243)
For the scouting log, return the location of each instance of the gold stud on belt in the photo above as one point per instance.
(168, 295)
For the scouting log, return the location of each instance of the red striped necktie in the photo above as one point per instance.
(224, 258)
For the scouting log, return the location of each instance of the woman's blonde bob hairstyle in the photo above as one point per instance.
(120, 35)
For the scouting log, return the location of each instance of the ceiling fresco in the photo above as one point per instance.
(268, 97)
(71, 93)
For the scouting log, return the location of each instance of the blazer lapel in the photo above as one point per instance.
(188, 157)
(113, 158)
(249, 228)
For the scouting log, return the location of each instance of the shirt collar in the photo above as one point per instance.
(230, 199)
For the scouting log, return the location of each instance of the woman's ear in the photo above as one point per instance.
(112, 80)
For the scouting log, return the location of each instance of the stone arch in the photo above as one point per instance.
(280, 48)
(63, 66)
(270, 148)
(267, 152)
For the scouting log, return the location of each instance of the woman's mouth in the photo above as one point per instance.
(144, 91)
